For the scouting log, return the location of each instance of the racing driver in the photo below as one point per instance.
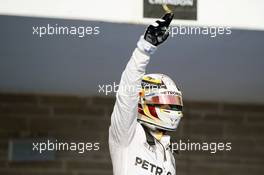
(147, 107)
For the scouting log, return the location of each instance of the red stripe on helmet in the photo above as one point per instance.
(152, 111)
(140, 110)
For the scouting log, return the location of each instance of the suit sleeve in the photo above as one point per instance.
(124, 115)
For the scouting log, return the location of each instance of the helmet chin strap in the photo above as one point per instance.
(157, 134)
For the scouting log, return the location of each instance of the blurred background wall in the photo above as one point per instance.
(225, 68)
(86, 119)
(49, 85)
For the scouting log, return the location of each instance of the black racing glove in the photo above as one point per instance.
(158, 32)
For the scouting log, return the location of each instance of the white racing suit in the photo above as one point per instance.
(133, 150)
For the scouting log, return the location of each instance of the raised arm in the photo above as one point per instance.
(124, 116)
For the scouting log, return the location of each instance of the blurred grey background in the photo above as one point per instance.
(224, 68)
(49, 89)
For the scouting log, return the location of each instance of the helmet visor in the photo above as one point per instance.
(165, 99)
